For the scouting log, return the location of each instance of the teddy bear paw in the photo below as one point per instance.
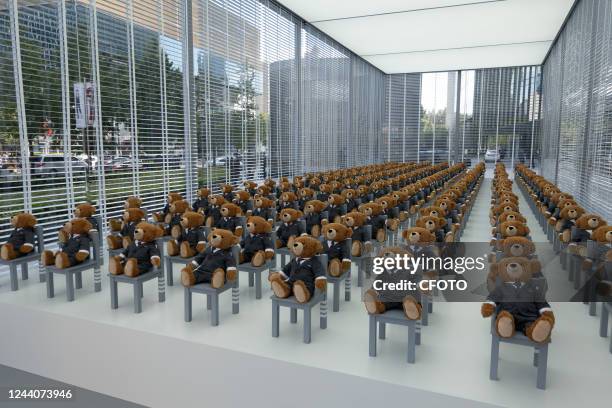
(7, 252)
(505, 324)
(301, 292)
(412, 309)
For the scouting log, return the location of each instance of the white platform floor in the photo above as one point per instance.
(87, 344)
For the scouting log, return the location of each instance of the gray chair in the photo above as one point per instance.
(285, 252)
(34, 256)
(73, 275)
(364, 261)
(336, 281)
(606, 309)
(378, 323)
(256, 271)
(319, 297)
(540, 356)
(137, 283)
(212, 295)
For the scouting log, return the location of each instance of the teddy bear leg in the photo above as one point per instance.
(505, 324)
(131, 268)
(356, 248)
(258, 259)
(126, 242)
(539, 331)
(113, 242)
(334, 267)
(173, 248)
(185, 250)
(381, 235)
(280, 288)
(412, 309)
(278, 243)
(217, 279)
(315, 231)
(61, 260)
(7, 252)
(47, 258)
(301, 292)
(450, 237)
(393, 224)
(372, 304)
(188, 276)
(176, 231)
(62, 235)
(209, 221)
(115, 267)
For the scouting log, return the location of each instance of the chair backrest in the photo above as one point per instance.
(101, 227)
(243, 223)
(358, 201)
(95, 243)
(348, 244)
(395, 211)
(39, 236)
(250, 205)
(236, 253)
(273, 213)
(368, 231)
(323, 259)
(343, 209)
(325, 215)
(303, 224)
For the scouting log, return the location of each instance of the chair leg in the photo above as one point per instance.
(168, 271)
(542, 366)
(208, 303)
(187, 312)
(347, 287)
(372, 335)
(97, 280)
(137, 297)
(24, 271)
(161, 287)
(14, 278)
(418, 333)
(293, 315)
(382, 330)
(323, 314)
(307, 324)
(214, 318)
(235, 298)
(411, 342)
(113, 294)
(360, 274)
(494, 358)
(50, 286)
(275, 313)
(258, 285)
(251, 280)
(41, 273)
(336, 296)
(78, 280)
(603, 322)
(69, 286)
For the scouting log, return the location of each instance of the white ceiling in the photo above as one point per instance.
(438, 35)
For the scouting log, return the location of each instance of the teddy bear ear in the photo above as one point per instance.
(535, 266)
(300, 214)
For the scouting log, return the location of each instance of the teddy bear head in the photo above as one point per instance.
(335, 199)
(354, 219)
(216, 200)
(371, 209)
(222, 239)
(257, 225)
(387, 202)
(226, 188)
(78, 226)
(314, 207)
(133, 214)
(325, 188)
(263, 190)
(290, 215)
(192, 219)
(270, 183)
(263, 202)
(146, 232)
(513, 229)
(512, 216)
(502, 208)
(298, 182)
(590, 222)
(306, 192)
(514, 269)
(230, 210)
(400, 196)
(204, 193)
(306, 246)
(431, 223)
(23, 220)
(445, 204)
(288, 197)
(571, 212)
(249, 185)
(173, 196)
(434, 211)
(285, 185)
(363, 190)
(348, 193)
(315, 181)
(518, 246)
(507, 199)
(84, 210)
(337, 232)
(603, 234)
(179, 207)
(418, 235)
(242, 196)
(560, 196)
(132, 202)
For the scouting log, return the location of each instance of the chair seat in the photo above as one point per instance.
(76, 268)
(207, 289)
(247, 267)
(34, 256)
(140, 278)
(293, 303)
(394, 316)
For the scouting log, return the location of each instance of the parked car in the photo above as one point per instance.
(492, 155)
(54, 165)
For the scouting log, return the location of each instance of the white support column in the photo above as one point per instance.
(187, 45)
(163, 104)
(133, 99)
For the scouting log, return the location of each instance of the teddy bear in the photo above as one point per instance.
(75, 249)
(21, 240)
(250, 187)
(363, 192)
(303, 274)
(403, 204)
(567, 219)
(374, 217)
(190, 237)
(585, 225)
(242, 199)
(514, 247)
(313, 218)
(519, 302)
(305, 194)
(227, 192)
(290, 227)
(263, 208)
(499, 210)
(361, 244)
(335, 208)
(407, 300)
(288, 199)
(214, 209)
(324, 191)
(388, 204)
(173, 218)
(230, 219)
(86, 211)
(256, 246)
(553, 203)
(350, 198)
(509, 229)
(265, 191)
(131, 218)
(172, 197)
(603, 237)
(116, 224)
(201, 204)
(141, 255)
(420, 241)
(216, 265)
(435, 225)
(338, 255)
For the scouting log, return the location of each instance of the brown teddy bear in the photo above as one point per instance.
(435, 225)
(335, 209)
(214, 210)
(263, 208)
(519, 302)
(409, 300)
(116, 224)
(189, 237)
(305, 194)
(499, 210)
(288, 199)
(303, 274)
(312, 215)
(250, 186)
(173, 218)
(227, 191)
(514, 247)
(131, 218)
(420, 241)
(141, 255)
(361, 244)
(289, 228)
(86, 211)
(350, 197)
(171, 198)
(21, 240)
(230, 219)
(257, 247)
(585, 225)
(374, 217)
(556, 216)
(509, 229)
(603, 237)
(216, 265)
(338, 255)
(265, 191)
(75, 249)
(567, 219)
(324, 191)
(201, 203)
(242, 199)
